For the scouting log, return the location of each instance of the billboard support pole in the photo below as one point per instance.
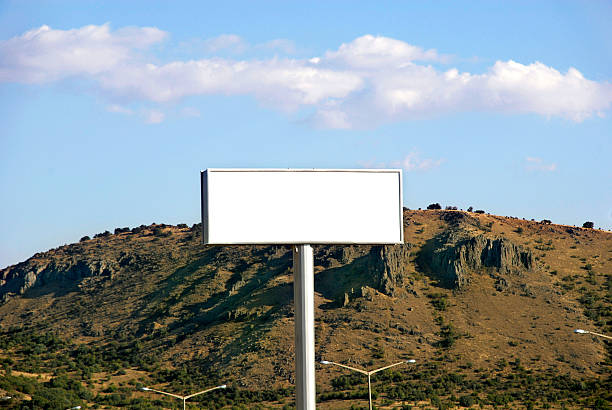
(303, 292)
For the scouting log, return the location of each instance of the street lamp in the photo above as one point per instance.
(581, 331)
(184, 398)
(368, 373)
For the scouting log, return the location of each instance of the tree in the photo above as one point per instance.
(434, 206)
(85, 238)
(588, 224)
(470, 209)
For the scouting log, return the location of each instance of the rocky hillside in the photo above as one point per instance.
(486, 304)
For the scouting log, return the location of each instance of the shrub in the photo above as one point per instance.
(438, 300)
(518, 230)
(451, 208)
(588, 224)
(121, 230)
(434, 206)
(139, 229)
(85, 238)
(479, 211)
(546, 221)
(470, 209)
(467, 401)
(158, 231)
(449, 335)
(102, 235)
(182, 226)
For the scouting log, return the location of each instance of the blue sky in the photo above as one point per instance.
(110, 109)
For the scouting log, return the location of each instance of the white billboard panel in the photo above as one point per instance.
(302, 206)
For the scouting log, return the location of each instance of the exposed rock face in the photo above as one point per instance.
(391, 267)
(20, 278)
(452, 259)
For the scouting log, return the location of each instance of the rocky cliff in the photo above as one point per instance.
(453, 258)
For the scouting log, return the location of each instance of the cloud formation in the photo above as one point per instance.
(225, 41)
(154, 116)
(537, 164)
(366, 82)
(411, 162)
(414, 162)
(44, 55)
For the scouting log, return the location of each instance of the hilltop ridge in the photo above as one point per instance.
(467, 294)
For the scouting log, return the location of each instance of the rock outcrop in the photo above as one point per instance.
(18, 279)
(391, 266)
(452, 259)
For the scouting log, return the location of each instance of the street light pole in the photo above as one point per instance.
(184, 398)
(368, 373)
(582, 331)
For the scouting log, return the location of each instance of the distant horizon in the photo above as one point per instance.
(110, 110)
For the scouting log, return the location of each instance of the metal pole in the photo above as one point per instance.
(370, 391)
(303, 293)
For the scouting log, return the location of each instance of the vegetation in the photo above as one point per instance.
(156, 308)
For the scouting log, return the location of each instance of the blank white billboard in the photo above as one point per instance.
(302, 206)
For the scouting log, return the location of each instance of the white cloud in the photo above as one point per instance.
(414, 162)
(43, 54)
(281, 44)
(411, 162)
(234, 44)
(537, 164)
(119, 109)
(287, 84)
(231, 42)
(154, 116)
(368, 81)
(515, 87)
(375, 52)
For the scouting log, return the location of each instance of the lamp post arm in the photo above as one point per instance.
(166, 393)
(350, 368)
(204, 391)
(599, 334)
(386, 367)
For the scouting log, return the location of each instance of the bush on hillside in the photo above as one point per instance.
(588, 224)
(434, 206)
(139, 229)
(479, 211)
(160, 232)
(102, 235)
(85, 238)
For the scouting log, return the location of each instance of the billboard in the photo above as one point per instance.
(301, 206)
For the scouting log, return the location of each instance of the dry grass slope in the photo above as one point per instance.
(486, 304)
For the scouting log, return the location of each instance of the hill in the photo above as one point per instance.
(486, 304)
